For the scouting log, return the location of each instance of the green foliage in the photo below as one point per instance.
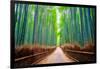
(53, 25)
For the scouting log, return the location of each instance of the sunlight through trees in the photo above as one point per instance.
(53, 25)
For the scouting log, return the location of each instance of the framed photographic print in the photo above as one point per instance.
(49, 34)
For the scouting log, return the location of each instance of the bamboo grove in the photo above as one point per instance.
(53, 25)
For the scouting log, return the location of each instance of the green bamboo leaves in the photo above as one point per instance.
(53, 25)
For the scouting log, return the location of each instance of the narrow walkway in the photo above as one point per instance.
(56, 57)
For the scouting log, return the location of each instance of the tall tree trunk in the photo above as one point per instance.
(35, 23)
(24, 24)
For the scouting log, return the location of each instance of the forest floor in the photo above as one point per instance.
(29, 56)
(57, 56)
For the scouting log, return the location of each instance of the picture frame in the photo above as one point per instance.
(87, 28)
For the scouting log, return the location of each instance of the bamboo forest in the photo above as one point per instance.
(47, 34)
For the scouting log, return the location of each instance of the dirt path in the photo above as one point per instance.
(56, 57)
